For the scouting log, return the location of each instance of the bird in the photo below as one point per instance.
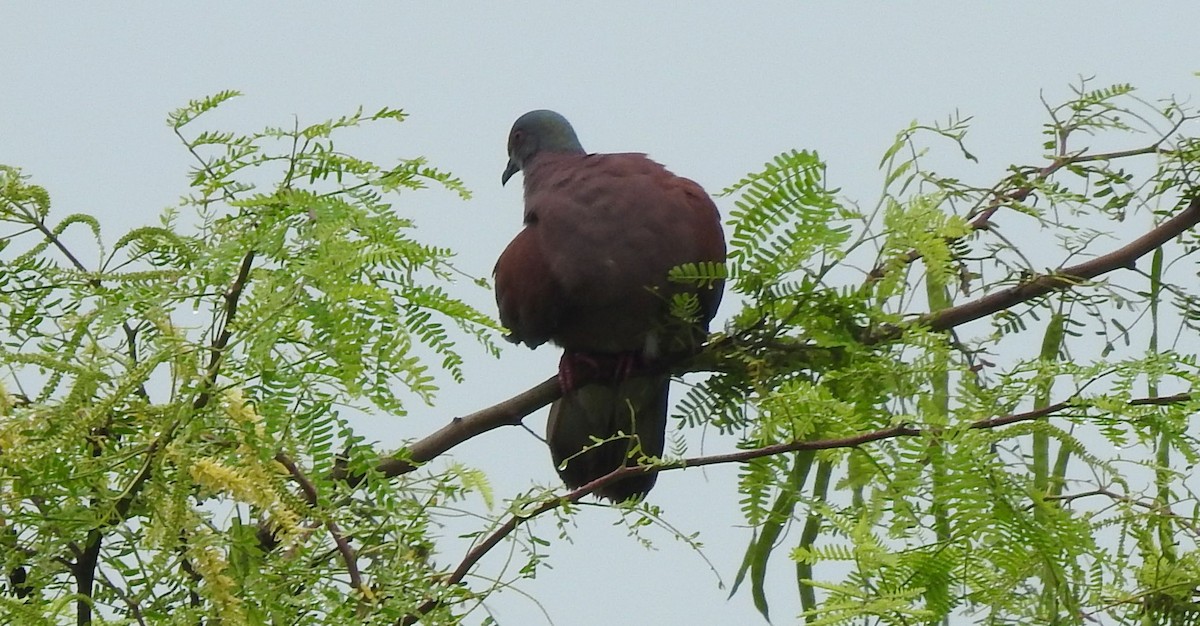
(589, 272)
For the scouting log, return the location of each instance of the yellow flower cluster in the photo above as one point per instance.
(6, 401)
(251, 484)
(218, 586)
(241, 413)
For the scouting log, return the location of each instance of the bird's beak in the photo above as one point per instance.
(512, 168)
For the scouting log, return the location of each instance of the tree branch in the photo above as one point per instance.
(512, 411)
(84, 571)
(221, 341)
(507, 413)
(134, 609)
(1067, 277)
(900, 430)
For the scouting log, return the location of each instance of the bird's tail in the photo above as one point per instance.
(600, 427)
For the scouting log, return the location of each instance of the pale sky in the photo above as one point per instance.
(712, 90)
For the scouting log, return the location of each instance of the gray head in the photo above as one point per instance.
(538, 131)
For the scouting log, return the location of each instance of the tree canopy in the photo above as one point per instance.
(967, 399)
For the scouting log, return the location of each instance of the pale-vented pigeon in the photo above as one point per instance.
(589, 272)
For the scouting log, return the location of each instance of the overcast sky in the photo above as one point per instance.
(712, 90)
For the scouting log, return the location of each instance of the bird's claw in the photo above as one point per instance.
(576, 368)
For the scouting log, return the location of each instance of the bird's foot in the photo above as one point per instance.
(577, 368)
(566, 372)
(627, 365)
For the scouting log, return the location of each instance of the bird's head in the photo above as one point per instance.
(536, 132)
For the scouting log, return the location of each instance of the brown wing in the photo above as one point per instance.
(529, 297)
(708, 242)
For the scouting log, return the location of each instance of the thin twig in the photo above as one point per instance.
(134, 609)
(980, 220)
(221, 342)
(185, 563)
(349, 556)
(1118, 497)
(900, 430)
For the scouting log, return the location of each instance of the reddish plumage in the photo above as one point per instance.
(589, 273)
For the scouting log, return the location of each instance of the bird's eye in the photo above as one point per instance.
(515, 140)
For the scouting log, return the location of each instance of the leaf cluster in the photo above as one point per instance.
(165, 393)
(1041, 521)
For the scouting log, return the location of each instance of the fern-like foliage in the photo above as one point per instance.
(1083, 514)
(159, 408)
(784, 217)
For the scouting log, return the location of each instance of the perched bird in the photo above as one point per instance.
(589, 272)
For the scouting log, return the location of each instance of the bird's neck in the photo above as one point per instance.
(544, 165)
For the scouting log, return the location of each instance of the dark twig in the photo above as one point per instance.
(221, 342)
(185, 563)
(134, 609)
(349, 556)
